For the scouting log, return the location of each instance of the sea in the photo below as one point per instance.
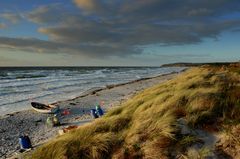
(21, 85)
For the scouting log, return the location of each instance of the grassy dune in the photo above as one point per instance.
(146, 125)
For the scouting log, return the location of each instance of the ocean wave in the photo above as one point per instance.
(53, 85)
(26, 98)
(43, 83)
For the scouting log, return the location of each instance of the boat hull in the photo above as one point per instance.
(43, 108)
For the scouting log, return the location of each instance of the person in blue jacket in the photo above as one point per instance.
(99, 110)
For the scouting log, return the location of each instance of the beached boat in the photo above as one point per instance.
(43, 108)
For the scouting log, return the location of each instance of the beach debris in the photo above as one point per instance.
(110, 86)
(93, 92)
(77, 118)
(66, 112)
(53, 121)
(49, 122)
(56, 119)
(67, 129)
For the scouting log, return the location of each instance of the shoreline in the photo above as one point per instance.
(94, 90)
(33, 123)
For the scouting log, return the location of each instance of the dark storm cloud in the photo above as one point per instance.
(175, 9)
(143, 34)
(41, 46)
(119, 28)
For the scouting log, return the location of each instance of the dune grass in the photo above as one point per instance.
(145, 125)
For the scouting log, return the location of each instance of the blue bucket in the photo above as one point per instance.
(25, 142)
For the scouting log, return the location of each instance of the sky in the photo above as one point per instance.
(118, 32)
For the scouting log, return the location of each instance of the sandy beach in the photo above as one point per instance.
(33, 123)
